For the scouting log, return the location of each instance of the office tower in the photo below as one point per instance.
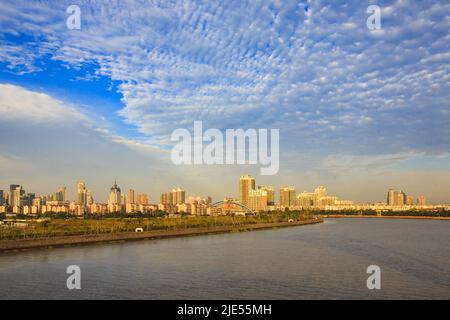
(287, 196)
(320, 191)
(1, 198)
(115, 195)
(16, 193)
(12, 194)
(246, 183)
(421, 201)
(131, 198)
(89, 197)
(81, 193)
(84, 196)
(26, 199)
(257, 200)
(270, 194)
(61, 194)
(13, 187)
(391, 197)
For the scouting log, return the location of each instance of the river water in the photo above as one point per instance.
(322, 261)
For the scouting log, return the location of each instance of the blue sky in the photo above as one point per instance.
(358, 110)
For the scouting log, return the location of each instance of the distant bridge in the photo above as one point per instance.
(237, 203)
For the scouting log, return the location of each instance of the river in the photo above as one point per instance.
(323, 261)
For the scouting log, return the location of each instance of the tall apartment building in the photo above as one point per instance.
(257, 200)
(142, 198)
(174, 197)
(246, 183)
(270, 194)
(166, 198)
(397, 198)
(287, 196)
(131, 198)
(307, 199)
(178, 196)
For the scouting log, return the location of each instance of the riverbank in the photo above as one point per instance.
(332, 216)
(12, 245)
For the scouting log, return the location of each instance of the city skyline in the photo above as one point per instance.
(357, 110)
(286, 195)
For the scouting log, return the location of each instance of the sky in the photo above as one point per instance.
(358, 110)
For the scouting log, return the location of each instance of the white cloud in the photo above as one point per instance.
(253, 63)
(331, 85)
(19, 104)
(339, 163)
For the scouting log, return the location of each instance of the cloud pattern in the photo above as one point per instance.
(310, 68)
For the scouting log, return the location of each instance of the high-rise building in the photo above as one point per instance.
(401, 198)
(13, 199)
(84, 196)
(320, 191)
(115, 197)
(307, 199)
(89, 197)
(166, 198)
(174, 197)
(391, 197)
(15, 195)
(131, 198)
(178, 196)
(257, 200)
(421, 201)
(287, 196)
(142, 198)
(60, 195)
(246, 183)
(26, 199)
(81, 193)
(396, 198)
(270, 194)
